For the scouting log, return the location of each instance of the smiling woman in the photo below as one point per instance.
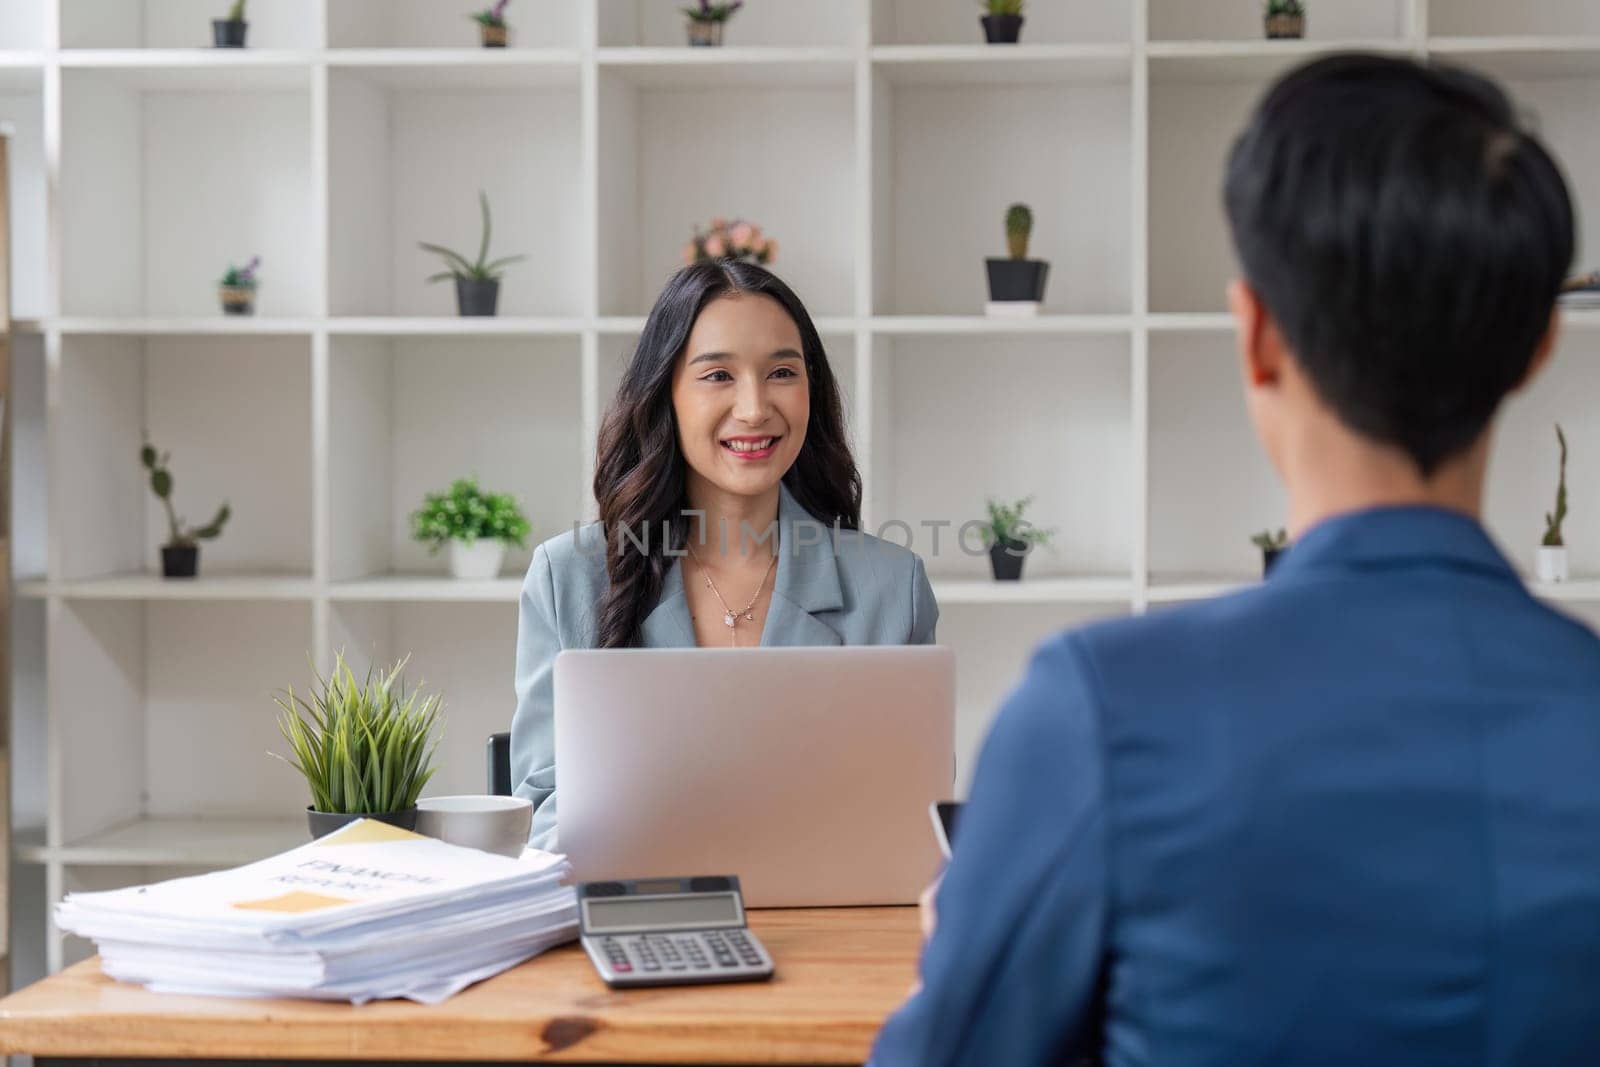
(730, 509)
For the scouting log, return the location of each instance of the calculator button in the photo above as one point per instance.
(621, 968)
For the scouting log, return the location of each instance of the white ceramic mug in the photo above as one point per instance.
(491, 823)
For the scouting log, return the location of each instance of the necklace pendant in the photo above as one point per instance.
(728, 620)
(749, 616)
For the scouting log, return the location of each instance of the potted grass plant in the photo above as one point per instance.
(1016, 283)
(492, 24)
(706, 21)
(1553, 548)
(1272, 545)
(238, 288)
(1010, 537)
(365, 748)
(478, 281)
(229, 32)
(730, 240)
(1285, 19)
(180, 556)
(477, 525)
(1002, 21)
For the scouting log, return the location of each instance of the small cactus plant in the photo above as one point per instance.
(1019, 226)
(1553, 520)
(161, 485)
(236, 12)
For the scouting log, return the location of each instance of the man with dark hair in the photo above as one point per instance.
(1352, 815)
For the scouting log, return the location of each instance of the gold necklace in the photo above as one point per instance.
(730, 618)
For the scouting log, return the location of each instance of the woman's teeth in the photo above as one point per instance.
(750, 446)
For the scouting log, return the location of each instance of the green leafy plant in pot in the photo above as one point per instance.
(478, 281)
(364, 747)
(229, 32)
(492, 24)
(1010, 537)
(477, 525)
(706, 21)
(1553, 547)
(238, 288)
(1272, 545)
(180, 556)
(1285, 19)
(1016, 283)
(1002, 21)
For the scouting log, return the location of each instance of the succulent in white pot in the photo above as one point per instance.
(477, 525)
(1553, 549)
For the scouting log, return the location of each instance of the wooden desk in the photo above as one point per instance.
(840, 972)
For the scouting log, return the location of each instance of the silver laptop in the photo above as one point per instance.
(807, 772)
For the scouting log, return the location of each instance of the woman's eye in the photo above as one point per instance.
(718, 376)
(785, 372)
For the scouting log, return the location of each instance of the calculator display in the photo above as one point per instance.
(689, 912)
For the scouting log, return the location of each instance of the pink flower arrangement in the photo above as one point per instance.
(731, 240)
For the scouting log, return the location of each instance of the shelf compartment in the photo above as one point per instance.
(658, 184)
(916, 22)
(182, 24)
(410, 147)
(1223, 20)
(410, 414)
(1211, 486)
(446, 25)
(1523, 465)
(662, 26)
(1491, 18)
(204, 179)
(164, 710)
(1061, 149)
(234, 413)
(1065, 437)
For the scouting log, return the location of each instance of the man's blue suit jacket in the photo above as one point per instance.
(1350, 816)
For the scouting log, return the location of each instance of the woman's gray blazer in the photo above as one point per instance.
(841, 588)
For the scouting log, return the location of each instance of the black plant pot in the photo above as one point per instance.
(1269, 559)
(1001, 29)
(477, 296)
(180, 561)
(228, 33)
(326, 822)
(1006, 557)
(1017, 279)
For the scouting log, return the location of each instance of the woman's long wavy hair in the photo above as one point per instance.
(640, 475)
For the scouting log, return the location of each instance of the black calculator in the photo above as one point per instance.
(669, 931)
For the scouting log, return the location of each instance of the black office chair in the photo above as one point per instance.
(500, 764)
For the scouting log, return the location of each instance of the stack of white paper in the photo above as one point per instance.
(366, 913)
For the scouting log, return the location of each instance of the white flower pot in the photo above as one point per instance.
(479, 560)
(1552, 563)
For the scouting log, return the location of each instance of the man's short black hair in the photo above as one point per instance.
(1407, 236)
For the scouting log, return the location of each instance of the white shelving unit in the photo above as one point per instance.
(876, 139)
